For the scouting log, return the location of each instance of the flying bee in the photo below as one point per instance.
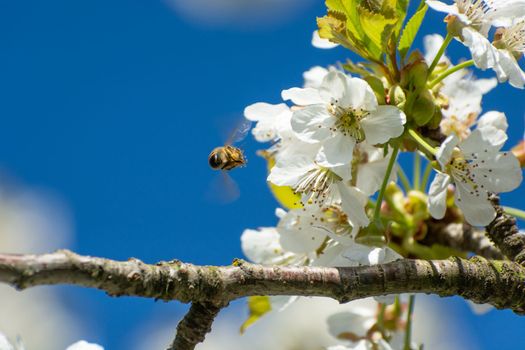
(229, 157)
(226, 158)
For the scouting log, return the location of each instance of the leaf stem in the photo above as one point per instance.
(426, 176)
(381, 194)
(449, 72)
(417, 170)
(404, 179)
(434, 63)
(408, 333)
(419, 139)
(518, 213)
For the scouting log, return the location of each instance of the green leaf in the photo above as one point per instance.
(335, 5)
(410, 31)
(257, 306)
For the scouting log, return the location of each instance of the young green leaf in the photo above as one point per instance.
(257, 306)
(410, 31)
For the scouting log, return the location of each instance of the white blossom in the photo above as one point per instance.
(84, 345)
(476, 18)
(343, 111)
(321, 43)
(476, 168)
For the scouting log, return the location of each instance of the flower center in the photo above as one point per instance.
(514, 38)
(475, 11)
(316, 184)
(461, 170)
(348, 121)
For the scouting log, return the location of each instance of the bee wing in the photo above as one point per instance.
(240, 131)
(223, 189)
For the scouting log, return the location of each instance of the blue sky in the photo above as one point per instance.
(115, 105)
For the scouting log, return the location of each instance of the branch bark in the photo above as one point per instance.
(462, 237)
(505, 234)
(500, 283)
(195, 325)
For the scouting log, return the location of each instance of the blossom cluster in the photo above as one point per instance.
(335, 141)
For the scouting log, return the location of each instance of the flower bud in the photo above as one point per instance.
(397, 96)
(423, 108)
(519, 152)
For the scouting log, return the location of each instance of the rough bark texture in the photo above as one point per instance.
(500, 283)
(194, 326)
(504, 232)
(462, 237)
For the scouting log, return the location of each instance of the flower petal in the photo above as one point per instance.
(442, 7)
(314, 77)
(359, 95)
(444, 153)
(495, 119)
(302, 97)
(267, 116)
(383, 124)
(312, 124)
(336, 151)
(499, 173)
(298, 233)
(483, 142)
(476, 207)
(359, 321)
(508, 69)
(483, 53)
(333, 86)
(321, 43)
(289, 171)
(437, 195)
(84, 345)
(353, 203)
(261, 246)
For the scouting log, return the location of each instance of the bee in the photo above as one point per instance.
(229, 157)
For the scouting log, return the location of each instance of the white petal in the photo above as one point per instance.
(370, 175)
(333, 87)
(343, 171)
(483, 141)
(312, 124)
(261, 246)
(4, 343)
(444, 153)
(495, 119)
(84, 345)
(437, 195)
(267, 117)
(298, 233)
(442, 7)
(321, 43)
(499, 173)
(314, 77)
(336, 151)
(486, 85)
(302, 97)
(482, 51)
(507, 68)
(282, 302)
(353, 203)
(289, 171)
(357, 321)
(383, 124)
(359, 95)
(477, 209)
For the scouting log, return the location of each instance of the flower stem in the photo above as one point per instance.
(434, 63)
(404, 179)
(449, 72)
(426, 176)
(381, 194)
(408, 333)
(520, 214)
(422, 142)
(417, 170)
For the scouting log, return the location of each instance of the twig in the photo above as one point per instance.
(462, 237)
(505, 234)
(192, 329)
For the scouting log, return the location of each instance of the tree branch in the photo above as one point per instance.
(504, 232)
(195, 325)
(500, 283)
(462, 237)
